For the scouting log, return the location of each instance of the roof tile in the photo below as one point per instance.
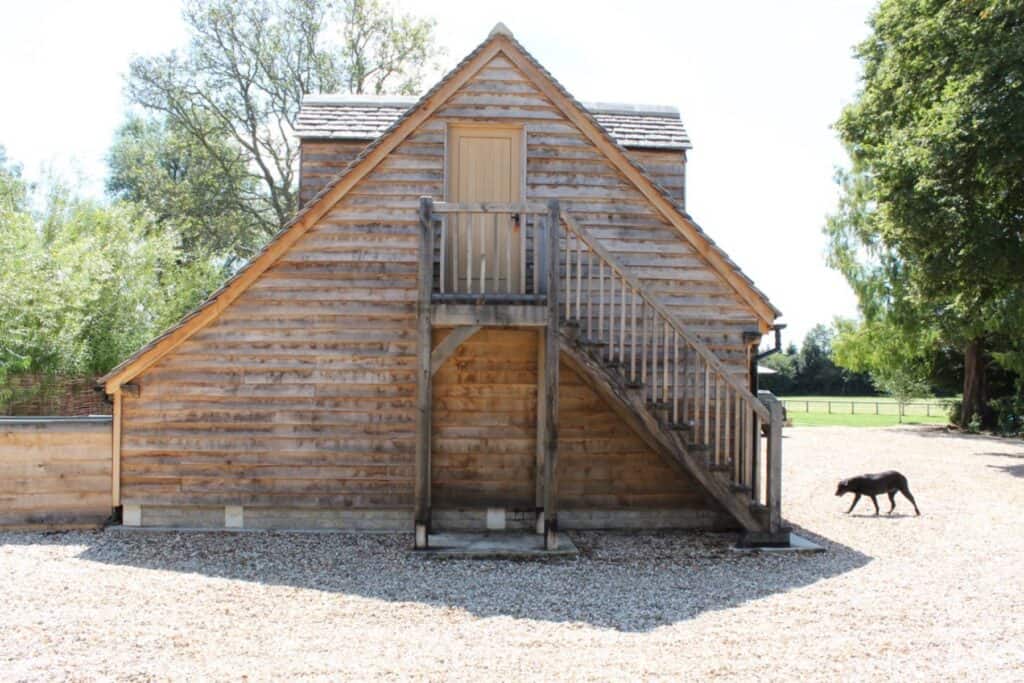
(354, 117)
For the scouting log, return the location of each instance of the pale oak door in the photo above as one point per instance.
(484, 165)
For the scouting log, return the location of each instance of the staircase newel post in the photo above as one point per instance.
(774, 467)
(550, 371)
(423, 374)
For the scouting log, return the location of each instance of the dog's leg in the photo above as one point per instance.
(905, 490)
(856, 499)
(875, 501)
(892, 501)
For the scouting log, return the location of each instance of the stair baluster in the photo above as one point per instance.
(684, 385)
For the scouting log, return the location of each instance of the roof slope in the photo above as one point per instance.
(366, 117)
(500, 41)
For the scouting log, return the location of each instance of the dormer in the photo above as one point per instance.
(334, 129)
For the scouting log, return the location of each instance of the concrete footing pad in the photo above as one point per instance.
(499, 545)
(796, 543)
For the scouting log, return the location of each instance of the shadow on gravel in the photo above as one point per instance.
(983, 440)
(624, 582)
(882, 515)
(944, 432)
(1015, 470)
(1012, 470)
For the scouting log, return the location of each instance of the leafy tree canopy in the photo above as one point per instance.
(930, 227)
(83, 284)
(13, 189)
(232, 97)
(812, 370)
(207, 196)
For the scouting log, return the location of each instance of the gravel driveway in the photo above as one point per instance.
(929, 598)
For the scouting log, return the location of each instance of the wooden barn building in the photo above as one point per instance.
(491, 312)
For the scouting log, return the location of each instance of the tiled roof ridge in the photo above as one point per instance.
(365, 117)
(405, 101)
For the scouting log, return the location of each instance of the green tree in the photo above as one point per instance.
(84, 284)
(14, 221)
(929, 227)
(783, 381)
(383, 52)
(235, 92)
(899, 364)
(13, 189)
(206, 197)
(816, 373)
(812, 369)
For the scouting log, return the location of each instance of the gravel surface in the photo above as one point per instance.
(937, 597)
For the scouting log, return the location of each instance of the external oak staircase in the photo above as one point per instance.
(530, 264)
(669, 386)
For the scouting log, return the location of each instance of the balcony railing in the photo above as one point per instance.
(491, 252)
(675, 372)
(532, 253)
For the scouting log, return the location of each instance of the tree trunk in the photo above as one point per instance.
(974, 383)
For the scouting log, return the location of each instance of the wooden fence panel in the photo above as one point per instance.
(55, 472)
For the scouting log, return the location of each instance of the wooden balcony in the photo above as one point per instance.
(489, 265)
(490, 262)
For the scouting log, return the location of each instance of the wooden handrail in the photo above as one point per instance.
(709, 358)
(490, 207)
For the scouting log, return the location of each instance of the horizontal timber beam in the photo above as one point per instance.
(459, 315)
(488, 299)
(490, 207)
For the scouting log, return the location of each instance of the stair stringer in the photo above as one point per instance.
(628, 404)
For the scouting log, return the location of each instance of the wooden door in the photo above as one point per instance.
(484, 165)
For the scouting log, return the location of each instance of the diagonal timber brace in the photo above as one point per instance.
(443, 351)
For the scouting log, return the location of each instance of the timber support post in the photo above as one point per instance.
(550, 383)
(115, 451)
(774, 467)
(542, 426)
(423, 373)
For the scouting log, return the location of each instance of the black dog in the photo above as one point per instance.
(875, 485)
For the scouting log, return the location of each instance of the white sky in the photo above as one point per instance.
(758, 84)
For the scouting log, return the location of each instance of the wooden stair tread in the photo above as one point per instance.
(603, 375)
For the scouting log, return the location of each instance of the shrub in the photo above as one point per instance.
(1009, 414)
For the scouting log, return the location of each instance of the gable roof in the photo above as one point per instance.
(366, 117)
(500, 41)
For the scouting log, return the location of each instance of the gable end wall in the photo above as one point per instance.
(301, 394)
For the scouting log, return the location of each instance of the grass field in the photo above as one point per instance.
(862, 411)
